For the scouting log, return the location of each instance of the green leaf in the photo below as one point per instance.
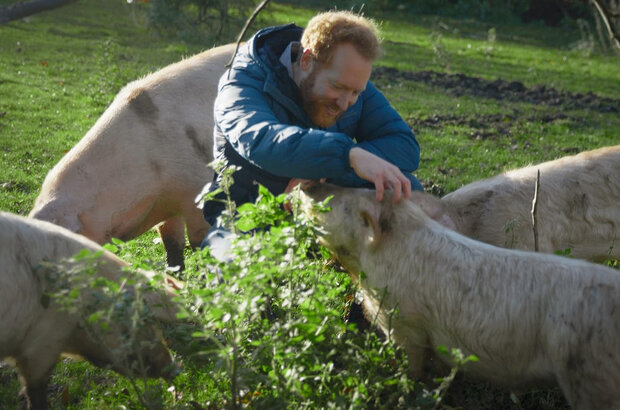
(94, 317)
(247, 223)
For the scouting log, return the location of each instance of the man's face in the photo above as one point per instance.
(328, 91)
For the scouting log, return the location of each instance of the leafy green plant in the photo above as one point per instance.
(459, 360)
(273, 320)
(51, 63)
(104, 305)
(104, 84)
(441, 54)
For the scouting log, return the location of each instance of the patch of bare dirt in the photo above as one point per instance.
(497, 120)
(461, 84)
(489, 126)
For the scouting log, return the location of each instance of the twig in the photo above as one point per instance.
(244, 29)
(534, 211)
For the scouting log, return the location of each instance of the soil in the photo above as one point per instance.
(501, 90)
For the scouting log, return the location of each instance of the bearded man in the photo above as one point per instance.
(297, 106)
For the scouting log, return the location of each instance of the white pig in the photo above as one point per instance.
(532, 319)
(34, 330)
(578, 206)
(144, 161)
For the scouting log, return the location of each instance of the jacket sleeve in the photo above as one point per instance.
(382, 131)
(244, 116)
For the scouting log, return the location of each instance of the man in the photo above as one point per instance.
(297, 106)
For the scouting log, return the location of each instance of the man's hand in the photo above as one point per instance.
(383, 174)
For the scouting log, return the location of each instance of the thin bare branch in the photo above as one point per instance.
(535, 211)
(249, 21)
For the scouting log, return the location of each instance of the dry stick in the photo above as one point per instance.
(244, 29)
(534, 211)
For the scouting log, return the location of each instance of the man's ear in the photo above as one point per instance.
(307, 60)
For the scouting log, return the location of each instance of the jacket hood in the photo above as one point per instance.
(268, 44)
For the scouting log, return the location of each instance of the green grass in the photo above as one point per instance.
(60, 69)
(509, 56)
(58, 72)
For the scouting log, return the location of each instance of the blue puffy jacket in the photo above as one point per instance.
(260, 125)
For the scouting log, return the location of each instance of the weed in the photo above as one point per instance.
(273, 318)
(112, 312)
(441, 54)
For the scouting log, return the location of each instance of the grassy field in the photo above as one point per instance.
(481, 98)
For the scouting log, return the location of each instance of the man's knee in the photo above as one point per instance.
(219, 242)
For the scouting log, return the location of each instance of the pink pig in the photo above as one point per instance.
(144, 161)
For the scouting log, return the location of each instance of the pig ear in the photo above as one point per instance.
(447, 222)
(371, 231)
(162, 304)
(433, 208)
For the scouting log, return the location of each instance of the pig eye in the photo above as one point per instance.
(365, 219)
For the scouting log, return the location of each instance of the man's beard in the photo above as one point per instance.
(314, 106)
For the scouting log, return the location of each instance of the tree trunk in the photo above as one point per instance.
(20, 10)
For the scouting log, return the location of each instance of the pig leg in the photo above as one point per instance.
(35, 373)
(197, 227)
(415, 342)
(600, 392)
(416, 356)
(37, 396)
(172, 233)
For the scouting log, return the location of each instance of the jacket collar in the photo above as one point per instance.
(266, 47)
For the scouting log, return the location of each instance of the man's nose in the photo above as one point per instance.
(345, 100)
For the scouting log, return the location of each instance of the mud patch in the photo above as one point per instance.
(488, 126)
(501, 90)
